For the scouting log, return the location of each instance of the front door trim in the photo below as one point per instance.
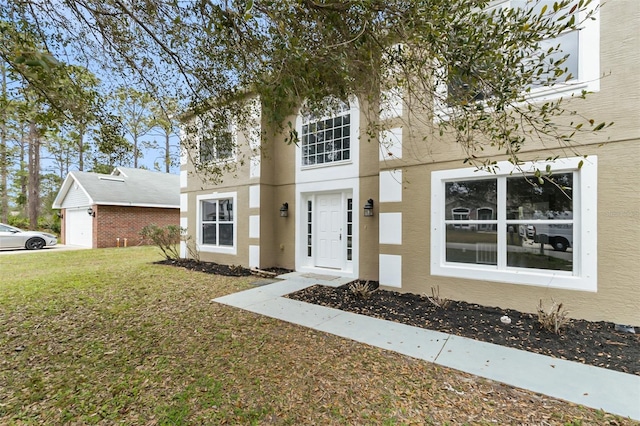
(333, 259)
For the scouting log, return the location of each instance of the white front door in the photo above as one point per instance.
(330, 222)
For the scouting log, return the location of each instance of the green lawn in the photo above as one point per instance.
(106, 336)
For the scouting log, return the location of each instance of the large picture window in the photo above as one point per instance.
(326, 140)
(510, 227)
(217, 223)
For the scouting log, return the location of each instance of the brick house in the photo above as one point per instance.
(100, 210)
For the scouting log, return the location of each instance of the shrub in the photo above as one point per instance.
(167, 239)
(553, 319)
(18, 221)
(436, 299)
(361, 289)
(192, 248)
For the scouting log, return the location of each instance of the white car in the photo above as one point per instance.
(12, 237)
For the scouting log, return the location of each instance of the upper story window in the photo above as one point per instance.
(578, 51)
(217, 147)
(328, 139)
(216, 142)
(508, 227)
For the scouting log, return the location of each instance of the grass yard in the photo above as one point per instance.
(105, 337)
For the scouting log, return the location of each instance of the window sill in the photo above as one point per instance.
(444, 113)
(520, 276)
(323, 165)
(217, 249)
(233, 159)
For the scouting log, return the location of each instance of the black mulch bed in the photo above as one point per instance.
(216, 268)
(208, 267)
(594, 343)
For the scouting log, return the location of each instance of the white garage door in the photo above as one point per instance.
(79, 228)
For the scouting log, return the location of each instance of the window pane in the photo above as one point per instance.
(471, 246)
(471, 200)
(324, 140)
(545, 246)
(568, 46)
(226, 234)
(527, 199)
(226, 211)
(209, 233)
(209, 210)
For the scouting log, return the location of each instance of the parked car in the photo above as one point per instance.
(558, 235)
(12, 237)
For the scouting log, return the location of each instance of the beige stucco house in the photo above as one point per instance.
(409, 214)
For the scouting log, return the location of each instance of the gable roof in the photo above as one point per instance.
(124, 187)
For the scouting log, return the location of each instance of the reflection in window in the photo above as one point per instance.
(470, 246)
(538, 220)
(528, 199)
(537, 234)
(217, 222)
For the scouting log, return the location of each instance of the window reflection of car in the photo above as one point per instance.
(558, 235)
(12, 237)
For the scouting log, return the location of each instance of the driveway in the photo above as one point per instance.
(58, 247)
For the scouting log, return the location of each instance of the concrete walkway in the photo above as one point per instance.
(594, 387)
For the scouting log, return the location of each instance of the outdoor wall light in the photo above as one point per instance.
(284, 210)
(368, 208)
(90, 212)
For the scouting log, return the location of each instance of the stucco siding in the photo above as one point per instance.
(616, 299)
(404, 260)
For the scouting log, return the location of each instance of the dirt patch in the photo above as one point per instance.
(593, 343)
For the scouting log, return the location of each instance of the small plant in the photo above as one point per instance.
(362, 290)
(553, 319)
(192, 248)
(436, 299)
(236, 269)
(167, 239)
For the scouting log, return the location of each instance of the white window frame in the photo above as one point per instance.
(210, 248)
(348, 110)
(232, 129)
(588, 77)
(584, 276)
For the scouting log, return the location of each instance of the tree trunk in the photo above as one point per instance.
(167, 157)
(22, 174)
(81, 147)
(33, 184)
(4, 194)
(135, 151)
(4, 161)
